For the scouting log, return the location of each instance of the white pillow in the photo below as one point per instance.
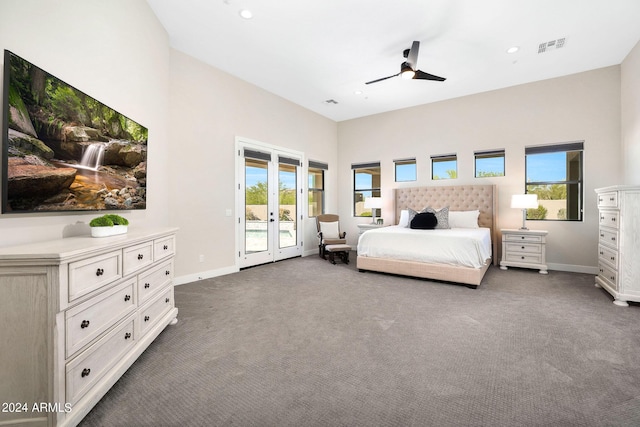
(330, 230)
(464, 219)
(404, 218)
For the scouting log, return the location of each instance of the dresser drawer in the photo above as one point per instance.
(608, 274)
(154, 280)
(609, 219)
(608, 200)
(524, 248)
(522, 238)
(88, 320)
(608, 238)
(137, 257)
(608, 256)
(151, 313)
(86, 369)
(92, 273)
(524, 258)
(164, 247)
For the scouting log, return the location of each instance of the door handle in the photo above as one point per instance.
(271, 220)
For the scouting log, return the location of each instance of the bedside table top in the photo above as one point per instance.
(519, 231)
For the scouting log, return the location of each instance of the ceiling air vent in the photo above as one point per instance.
(551, 45)
(330, 101)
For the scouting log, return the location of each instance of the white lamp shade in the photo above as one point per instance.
(373, 202)
(524, 201)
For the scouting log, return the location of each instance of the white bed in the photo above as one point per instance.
(468, 247)
(460, 255)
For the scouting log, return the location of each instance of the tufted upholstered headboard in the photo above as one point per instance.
(458, 198)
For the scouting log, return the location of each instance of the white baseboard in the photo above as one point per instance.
(205, 275)
(573, 268)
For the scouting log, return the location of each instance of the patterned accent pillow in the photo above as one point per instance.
(412, 214)
(442, 215)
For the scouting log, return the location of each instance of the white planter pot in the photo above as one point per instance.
(108, 231)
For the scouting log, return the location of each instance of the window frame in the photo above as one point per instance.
(403, 162)
(444, 158)
(487, 154)
(375, 191)
(569, 147)
(321, 168)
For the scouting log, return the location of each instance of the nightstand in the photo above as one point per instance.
(368, 226)
(524, 248)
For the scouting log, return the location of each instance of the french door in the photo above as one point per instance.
(269, 203)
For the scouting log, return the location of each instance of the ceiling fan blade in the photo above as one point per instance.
(384, 78)
(421, 75)
(412, 58)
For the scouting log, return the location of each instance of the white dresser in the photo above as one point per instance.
(524, 249)
(75, 313)
(619, 242)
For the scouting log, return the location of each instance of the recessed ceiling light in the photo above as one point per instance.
(513, 49)
(246, 14)
(358, 92)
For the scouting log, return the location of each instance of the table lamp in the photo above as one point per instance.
(373, 203)
(524, 202)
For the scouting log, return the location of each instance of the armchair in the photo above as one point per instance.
(329, 233)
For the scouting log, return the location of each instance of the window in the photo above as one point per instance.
(489, 163)
(554, 173)
(444, 166)
(406, 170)
(316, 187)
(366, 183)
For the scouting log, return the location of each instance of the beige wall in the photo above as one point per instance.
(209, 109)
(583, 106)
(115, 51)
(630, 77)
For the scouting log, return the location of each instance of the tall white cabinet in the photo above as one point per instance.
(75, 313)
(619, 242)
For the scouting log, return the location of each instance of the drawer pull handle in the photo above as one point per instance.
(84, 324)
(167, 300)
(146, 318)
(613, 219)
(140, 256)
(167, 273)
(522, 247)
(522, 237)
(165, 247)
(127, 335)
(127, 297)
(521, 257)
(601, 253)
(613, 258)
(601, 271)
(601, 235)
(613, 239)
(99, 272)
(85, 372)
(146, 286)
(613, 278)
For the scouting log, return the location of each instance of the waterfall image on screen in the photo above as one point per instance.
(64, 150)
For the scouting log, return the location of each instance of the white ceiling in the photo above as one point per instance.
(312, 51)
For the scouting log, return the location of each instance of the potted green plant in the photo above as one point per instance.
(108, 225)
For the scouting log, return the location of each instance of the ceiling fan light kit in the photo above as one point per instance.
(408, 69)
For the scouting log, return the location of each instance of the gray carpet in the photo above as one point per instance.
(306, 343)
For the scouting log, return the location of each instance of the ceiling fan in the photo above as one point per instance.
(408, 69)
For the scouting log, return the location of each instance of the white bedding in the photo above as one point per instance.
(469, 247)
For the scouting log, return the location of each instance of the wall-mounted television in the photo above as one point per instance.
(63, 150)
